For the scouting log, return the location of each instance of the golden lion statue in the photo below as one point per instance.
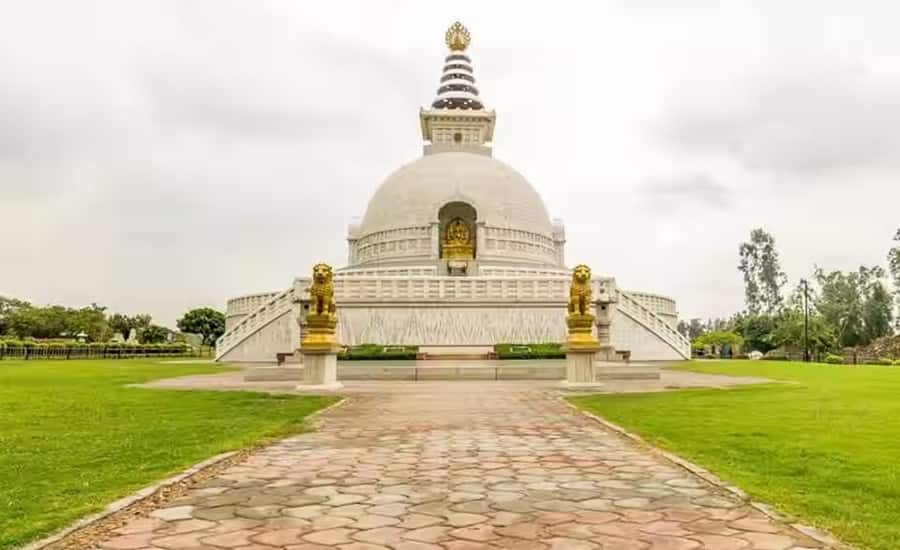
(321, 291)
(580, 293)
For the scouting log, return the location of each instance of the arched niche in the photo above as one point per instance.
(457, 224)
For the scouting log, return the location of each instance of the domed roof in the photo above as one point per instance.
(412, 195)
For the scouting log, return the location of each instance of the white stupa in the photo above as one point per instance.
(456, 250)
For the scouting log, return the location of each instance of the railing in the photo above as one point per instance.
(264, 314)
(643, 315)
(30, 351)
(451, 289)
(457, 289)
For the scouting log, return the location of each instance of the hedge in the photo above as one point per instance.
(29, 349)
(378, 352)
(545, 350)
(834, 359)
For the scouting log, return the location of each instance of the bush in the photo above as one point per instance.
(879, 361)
(545, 350)
(834, 359)
(377, 352)
(896, 363)
(775, 355)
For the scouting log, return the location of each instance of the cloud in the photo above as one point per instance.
(807, 120)
(688, 190)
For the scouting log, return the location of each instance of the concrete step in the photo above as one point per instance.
(456, 356)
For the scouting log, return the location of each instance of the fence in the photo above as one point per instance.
(849, 357)
(32, 350)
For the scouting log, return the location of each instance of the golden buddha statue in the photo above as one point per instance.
(458, 241)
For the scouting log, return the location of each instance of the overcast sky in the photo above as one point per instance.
(157, 156)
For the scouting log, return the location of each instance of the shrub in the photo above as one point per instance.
(896, 363)
(377, 352)
(544, 350)
(879, 361)
(834, 359)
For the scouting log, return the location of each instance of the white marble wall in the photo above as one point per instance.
(451, 326)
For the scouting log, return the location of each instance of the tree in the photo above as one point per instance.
(90, 320)
(756, 330)
(691, 330)
(154, 334)
(123, 324)
(40, 322)
(205, 321)
(878, 311)
(8, 308)
(718, 340)
(894, 268)
(792, 331)
(855, 303)
(763, 278)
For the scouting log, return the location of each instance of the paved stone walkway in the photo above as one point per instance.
(456, 466)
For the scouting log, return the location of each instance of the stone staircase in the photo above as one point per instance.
(654, 323)
(283, 302)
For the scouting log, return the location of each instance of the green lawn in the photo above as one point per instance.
(73, 439)
(823, 444)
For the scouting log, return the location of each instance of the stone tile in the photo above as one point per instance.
(373, 521)
(458, 519)
(329, 522)
(381, 535)
(561, 543)
(413, 545)
(140, 525)
(719, 542)
(767, 541)
(280, 537)
(482, 532)
(174, 513)
(129, 542)
(330, 537)
(435, 533)
(233, 539)
(523, 530)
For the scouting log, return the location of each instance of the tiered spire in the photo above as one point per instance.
(457, 89)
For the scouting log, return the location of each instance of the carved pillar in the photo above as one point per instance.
(605, 307)
(480, 239)
(434, 232)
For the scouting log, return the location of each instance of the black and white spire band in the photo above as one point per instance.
(457, 89)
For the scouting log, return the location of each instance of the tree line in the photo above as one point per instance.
(827, 311)
(22, 320)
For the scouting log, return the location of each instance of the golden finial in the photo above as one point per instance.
(457, 37)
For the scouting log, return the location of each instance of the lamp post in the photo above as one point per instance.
(805, 321)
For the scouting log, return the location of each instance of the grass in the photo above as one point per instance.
(73, 438)
(823, 445)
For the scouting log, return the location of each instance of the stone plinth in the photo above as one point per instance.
(580, 368)
(320, 371)
(319, 350)
(581, 349)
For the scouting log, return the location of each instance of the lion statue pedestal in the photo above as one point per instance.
(581, 345)
(319, 346)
